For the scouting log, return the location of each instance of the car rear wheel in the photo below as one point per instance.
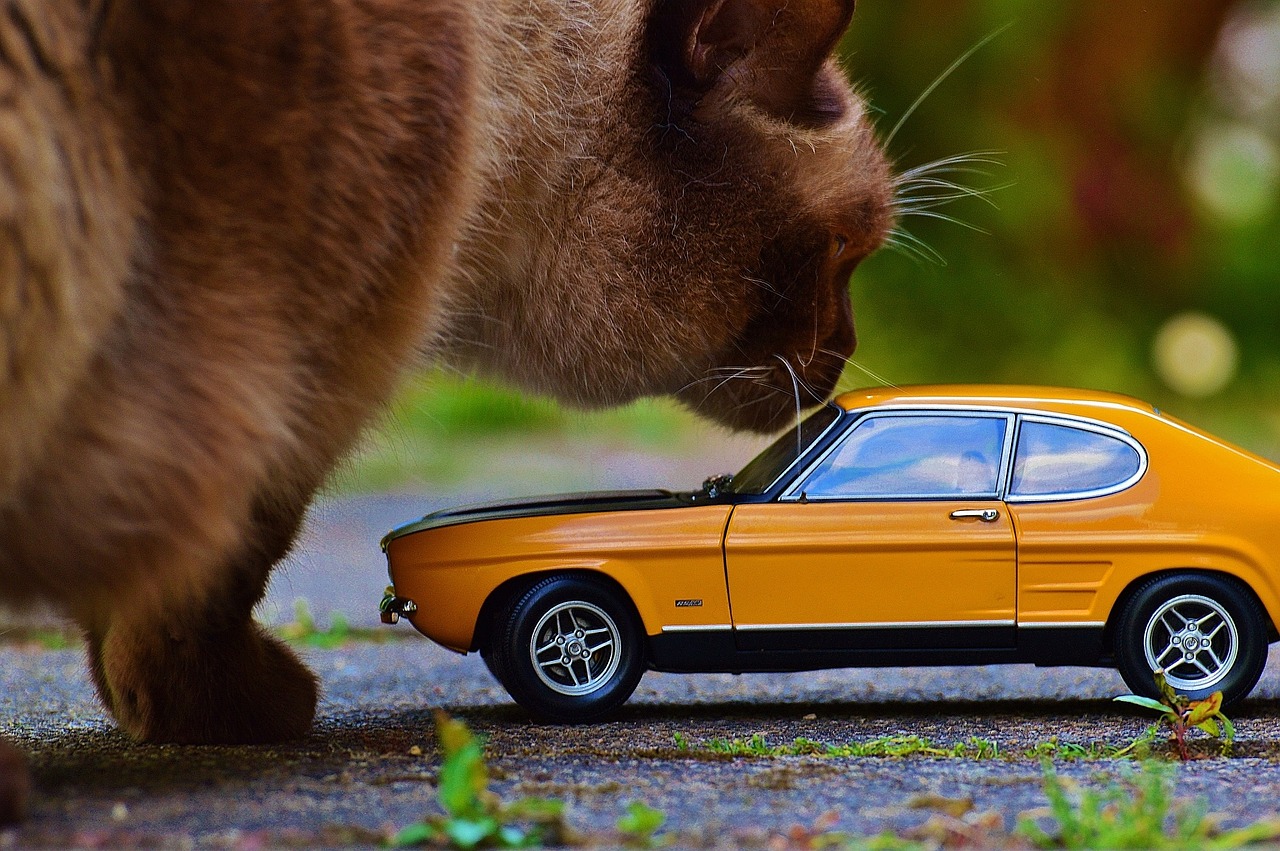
(570, 650)
(1206, 633)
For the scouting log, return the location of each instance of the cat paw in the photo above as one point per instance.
(15, 784)
(238, 686)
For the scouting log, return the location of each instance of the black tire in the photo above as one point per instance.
(596, 629)
(499, 608)
(486, 654)
(1161, 627)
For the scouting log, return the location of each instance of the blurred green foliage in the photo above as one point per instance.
(1106, 226)
(1137, 180)
(443, 429)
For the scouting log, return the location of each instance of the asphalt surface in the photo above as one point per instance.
(369, 767)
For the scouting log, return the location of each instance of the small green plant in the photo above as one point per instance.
(1182, 715)
(974, 747)
(1137, 810)
(473, 815)
(754, 746)
(1055, 748)
(639, 825)
(304, 630)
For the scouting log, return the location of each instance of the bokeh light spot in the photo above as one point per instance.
(1247, 67)
(1234, 170)
(1195, 354)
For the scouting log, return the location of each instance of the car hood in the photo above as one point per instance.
(570, 503)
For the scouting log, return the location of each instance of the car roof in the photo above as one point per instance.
(1062, 399)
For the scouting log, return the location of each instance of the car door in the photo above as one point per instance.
(895, 538)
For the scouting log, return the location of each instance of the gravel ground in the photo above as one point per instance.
(357, 777)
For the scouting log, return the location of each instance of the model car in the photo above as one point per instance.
(960, 525)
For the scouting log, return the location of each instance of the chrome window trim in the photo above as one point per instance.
(1001, 409)
(793, 491)
(1080, 424)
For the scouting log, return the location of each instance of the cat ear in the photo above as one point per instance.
(772, 49)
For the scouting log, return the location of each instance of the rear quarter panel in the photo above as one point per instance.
(1202, 504)
(657, 556)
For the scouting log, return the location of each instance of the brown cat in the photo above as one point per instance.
(226, 227)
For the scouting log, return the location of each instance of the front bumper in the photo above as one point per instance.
(392, 607)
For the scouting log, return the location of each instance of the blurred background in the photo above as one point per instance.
(1118, 228)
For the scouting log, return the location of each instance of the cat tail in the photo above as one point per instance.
(68, 212)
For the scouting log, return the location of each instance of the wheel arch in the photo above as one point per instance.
(1122, 601)
(507, 593)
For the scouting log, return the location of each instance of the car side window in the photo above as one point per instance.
(913, 456)
(1059, 460)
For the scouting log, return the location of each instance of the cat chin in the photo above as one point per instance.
(763, 404)
(765, 414)
(768, 418)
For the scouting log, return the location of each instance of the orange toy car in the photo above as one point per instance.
(918, 526)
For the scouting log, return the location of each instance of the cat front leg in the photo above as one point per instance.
(209, 674)
(185, 682)
(15, 784)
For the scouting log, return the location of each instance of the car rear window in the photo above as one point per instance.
(1053, 460)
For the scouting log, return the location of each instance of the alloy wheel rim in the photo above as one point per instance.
(1194, 639)
(575, 648)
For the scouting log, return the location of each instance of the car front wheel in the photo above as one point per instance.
(571, 649)
(1205, 632)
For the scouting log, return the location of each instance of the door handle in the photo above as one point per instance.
(986, 515)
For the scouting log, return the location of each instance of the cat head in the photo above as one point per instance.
(702, 246)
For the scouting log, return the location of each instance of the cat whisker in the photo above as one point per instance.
(950, 69)
(795, 387)
(873, 375)
(762, 398)
(902, 240)
(726, 369)
(805, 385)
(934, 183)
(918, 193)
(908, 251)
(757, 400)
(921, 190)
(813, 350)
(841, 359)
(951, 192)
(724, 375)
(723, 382)
(913, 206)
(767, 286)
(931, 214)
(953, 164)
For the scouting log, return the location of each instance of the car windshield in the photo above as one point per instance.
(765, 468)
